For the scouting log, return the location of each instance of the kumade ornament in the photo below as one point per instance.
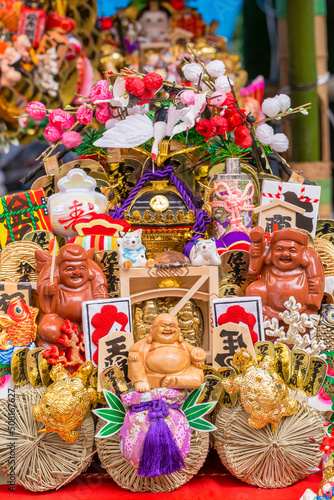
(76, 199)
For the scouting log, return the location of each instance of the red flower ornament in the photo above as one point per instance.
(234, 118)
(242, 137)
(152, 81)
(327, 446)
(135, 86)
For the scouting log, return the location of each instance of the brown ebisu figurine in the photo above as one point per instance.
(76, 278)
(288, 268)
(163, 359)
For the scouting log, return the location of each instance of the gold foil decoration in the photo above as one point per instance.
(67, 402)
(212, 389)
(315, 376)
(234, 269)
(17, 262)
(32, 367)
(46, 182)
(190, 318)
(19, 366)
(282, 353)
(107, 260)
(299, 364)
(226, 400)
(44, 368)
(264, 348)
(325, 250)
(169, 282)
(112, 379)
(325, 327)
(209, 370)
(324, 226)
(329, 237)
(40, 237)
(227, 290)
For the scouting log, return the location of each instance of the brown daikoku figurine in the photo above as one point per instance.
(76, 279)
(288, 267)
(163, 359)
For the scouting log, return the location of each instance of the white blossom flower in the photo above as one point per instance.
(192, 71)
(285, 102)
(280, 143)
(271, 106)
(216, 68)
(223, 84)
(264, 133)
(120, 97)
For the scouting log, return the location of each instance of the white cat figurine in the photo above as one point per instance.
(204, 253)
(131, 251)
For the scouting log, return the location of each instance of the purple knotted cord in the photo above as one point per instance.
(160, 453)
(202, 218)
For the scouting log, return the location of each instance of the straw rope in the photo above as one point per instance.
(125, 474)
(270, 459)
(42, 461)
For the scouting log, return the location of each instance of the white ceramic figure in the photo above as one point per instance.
(204, 253)
(77, 199)
(131, 251)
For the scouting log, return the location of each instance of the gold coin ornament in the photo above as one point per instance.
(67, 402)
(159, 203)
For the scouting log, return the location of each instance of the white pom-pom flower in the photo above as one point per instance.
(280, 143)
(264, 133)
(216, 68)
(271, 106)
(223, 84)
(284, 101)
(192, 71)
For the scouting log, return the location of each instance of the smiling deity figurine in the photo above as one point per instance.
(76, 279)
(163, 359)
(288, 267)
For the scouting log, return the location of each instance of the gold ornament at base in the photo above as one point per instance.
(67, 402)
(267, 459)
(263, 393)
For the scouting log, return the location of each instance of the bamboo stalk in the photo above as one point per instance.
(303, 79)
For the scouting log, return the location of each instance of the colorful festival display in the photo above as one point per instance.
(169, 281)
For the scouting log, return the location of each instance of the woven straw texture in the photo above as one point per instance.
(126, 475)
(269, 459)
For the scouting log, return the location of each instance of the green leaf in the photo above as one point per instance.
(113, 401)
(198, 410)
(192, 398)
(202, 425)
(108, 430)
(110, 415)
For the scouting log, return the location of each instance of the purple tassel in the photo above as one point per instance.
(160, 453)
